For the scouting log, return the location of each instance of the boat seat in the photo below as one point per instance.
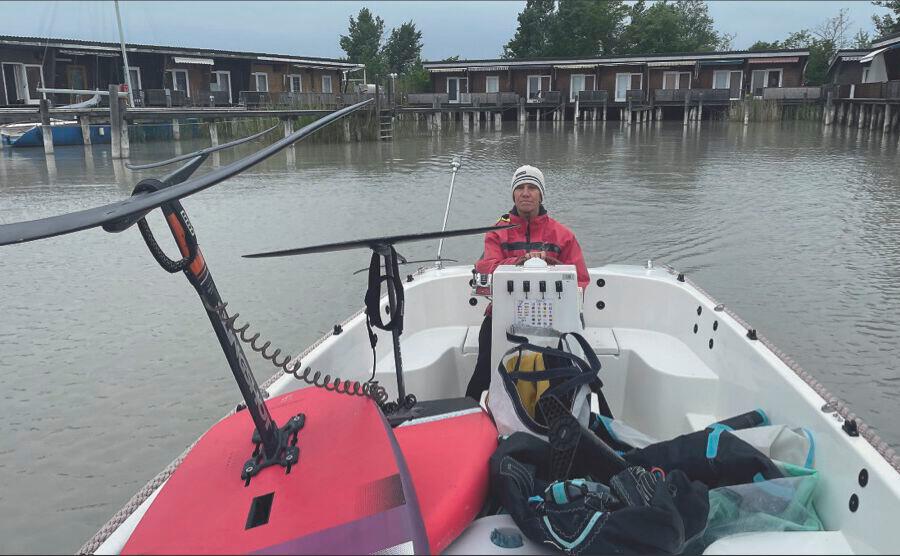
(783, 542)
(603, 340)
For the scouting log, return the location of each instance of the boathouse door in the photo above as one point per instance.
(456, 87)
(627, 82)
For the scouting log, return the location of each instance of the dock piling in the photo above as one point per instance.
(214, 133)
(46, 130)
(115, 121)
(85, 122)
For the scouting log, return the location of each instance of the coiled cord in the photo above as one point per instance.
(370, 388)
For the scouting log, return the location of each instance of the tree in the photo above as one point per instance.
(533, 33)
(586, 27)
(862, 40)
(362, 43)
(763, 45)
(680, 26)
(888, 23)
(822, 41)
(403, 49)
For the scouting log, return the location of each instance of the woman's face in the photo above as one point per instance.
(527, 198)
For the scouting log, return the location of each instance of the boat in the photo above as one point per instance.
(363, 442)
(64, 132)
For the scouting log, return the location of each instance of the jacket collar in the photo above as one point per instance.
(541, 212)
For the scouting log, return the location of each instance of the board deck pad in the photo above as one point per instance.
(350, 493)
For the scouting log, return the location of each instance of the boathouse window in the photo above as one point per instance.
(221, 81)
(76, 77)
(536, 85)
(676, 80)
(728, 79)
(177, 80)
(261, 82)
(134, 78)
(627, 82)
(326, 84)
(35, 76)
(294, 83)
(492, 84)
(765, 78)
(580, 82)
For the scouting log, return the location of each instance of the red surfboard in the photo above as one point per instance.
(350, 492)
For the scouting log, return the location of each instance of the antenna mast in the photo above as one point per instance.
(124, 56)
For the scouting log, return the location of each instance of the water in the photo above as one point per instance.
(108, 367)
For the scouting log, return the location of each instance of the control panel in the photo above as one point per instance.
(534, 300)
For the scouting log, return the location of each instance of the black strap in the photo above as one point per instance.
(596, 385)
(373, 294)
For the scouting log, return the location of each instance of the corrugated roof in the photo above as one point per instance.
(106, 46)
(634, 57)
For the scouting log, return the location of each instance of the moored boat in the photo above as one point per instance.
(64, 133)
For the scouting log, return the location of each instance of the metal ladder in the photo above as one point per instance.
(386, 125)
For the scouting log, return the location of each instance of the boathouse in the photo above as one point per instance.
(564, 87)
(163, 75)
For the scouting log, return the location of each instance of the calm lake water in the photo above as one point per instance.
(109, 369)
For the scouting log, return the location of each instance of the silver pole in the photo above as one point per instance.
(454, 165)
(124, 55)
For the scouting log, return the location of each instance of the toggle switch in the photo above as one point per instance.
(509, 286)
(526, 287)
(542, 286)
(559, 288)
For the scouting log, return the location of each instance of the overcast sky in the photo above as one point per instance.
(470, 29)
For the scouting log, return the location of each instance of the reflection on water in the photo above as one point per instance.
(109, 370)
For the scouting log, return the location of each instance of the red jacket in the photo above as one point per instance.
(542, 233)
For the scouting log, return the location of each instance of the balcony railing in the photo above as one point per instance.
(670, 95)
(792, 93)
(545, 97)
(598, 97)
(165, 97)
(212, 98)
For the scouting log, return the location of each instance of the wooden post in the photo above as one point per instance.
(46, 130)
(827, 112)
(346, 130)
(700, 110)
(176, 130)
(577, 107)
(498, 120)
(214, 133)
(123, 126)
(85, 122)
(115, 122)
(746, 104)
(687, 107)
(862, 116)
(288, 126)
(521, 109)
(603, 115)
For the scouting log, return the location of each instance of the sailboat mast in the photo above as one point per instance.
(124, 57)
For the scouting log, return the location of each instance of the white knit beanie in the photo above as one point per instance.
(528, 174)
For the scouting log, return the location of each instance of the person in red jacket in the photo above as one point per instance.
(537, 235)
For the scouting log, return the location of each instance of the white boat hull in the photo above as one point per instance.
(659, 375)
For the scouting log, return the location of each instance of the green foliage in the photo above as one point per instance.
(763, 45)
(888, 23)
(532, 37)
(403, 48)
(586, 27)
(362, 43)
(862, 40)
(680, 26)
(401, 54)
(415, 79)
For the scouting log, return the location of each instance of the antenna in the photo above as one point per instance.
(124, 55)
(454, 165)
